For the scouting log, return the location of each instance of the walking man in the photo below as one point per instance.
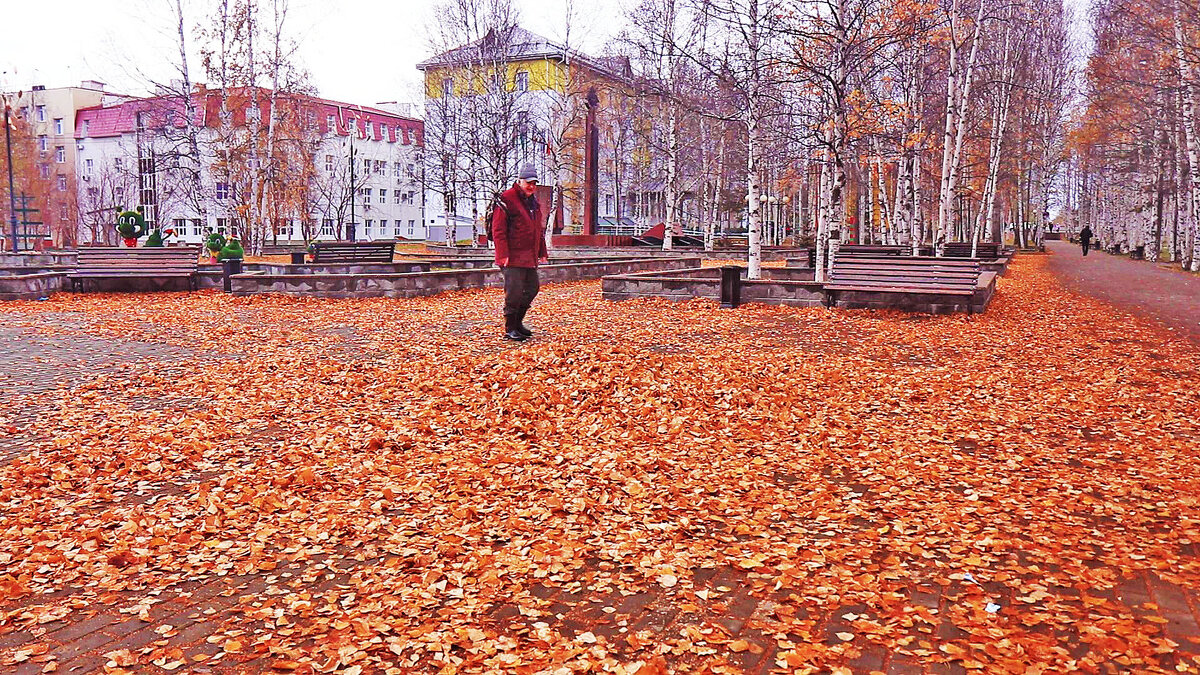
(518, 228)
(1085, 238)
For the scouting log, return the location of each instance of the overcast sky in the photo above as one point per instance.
(358, 51)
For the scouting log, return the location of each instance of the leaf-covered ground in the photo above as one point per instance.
(385, 486)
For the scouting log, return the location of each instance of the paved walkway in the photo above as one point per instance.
(1157, 291)
(1006, 535)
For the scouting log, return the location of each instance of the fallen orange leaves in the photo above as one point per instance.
(412, 494)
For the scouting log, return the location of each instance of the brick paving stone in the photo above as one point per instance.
(81, 628)
(83, 664)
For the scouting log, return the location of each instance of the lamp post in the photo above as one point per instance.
(12, 194)
(787, 199)
(774, 220)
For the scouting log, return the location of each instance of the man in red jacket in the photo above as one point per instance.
(518, 228)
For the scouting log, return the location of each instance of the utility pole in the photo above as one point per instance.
(353, 189)
(12, 195)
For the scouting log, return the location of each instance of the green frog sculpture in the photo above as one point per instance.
(131, 225)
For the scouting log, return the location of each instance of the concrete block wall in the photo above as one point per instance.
(417, 284)
(31, 286)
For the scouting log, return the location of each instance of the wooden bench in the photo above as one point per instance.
(902, 274)
(986, 250)
(366, 252)
(875, 249)
(167, 262)
(282, 249)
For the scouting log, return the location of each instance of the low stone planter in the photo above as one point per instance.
(790, 286)
(37, 283)
(416, 284)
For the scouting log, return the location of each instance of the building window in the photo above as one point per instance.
(62, 182)
(522, 80)
(380, 168)
(221, 222)
(87, 125)
(181, 226)
(43, 143)
(383, 228)
(412, 197)
(410, 226)
(222, 191)
(87, 163)
(196, 227)
(141, 121)
(396, 169)
(116, 162)
(41, 113)
(382, 196)
(447, 87)
(327, 227)
(93, 193)
(58, 126)
(119, 193)
(411, 170)
(399, 196)
(60, 154)
(329, 162)
(44, 170)
(367, 193)
(331, 122)
(608, 203)
(62, 212)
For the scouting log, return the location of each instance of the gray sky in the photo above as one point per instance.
(358, 51)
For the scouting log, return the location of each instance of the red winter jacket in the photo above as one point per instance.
(522, 238)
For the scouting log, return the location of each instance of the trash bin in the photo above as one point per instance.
(297, 257)
(731, 286)
(229, 267)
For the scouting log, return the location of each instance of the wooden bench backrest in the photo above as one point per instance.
(904, 271)
(141, 258)
(326, 252)
(984, 250)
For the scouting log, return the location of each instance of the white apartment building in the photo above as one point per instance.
(51, 116)
(363, 166)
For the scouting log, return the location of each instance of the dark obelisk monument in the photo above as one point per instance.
(591, 166)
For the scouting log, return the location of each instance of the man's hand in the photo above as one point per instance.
(502, 262)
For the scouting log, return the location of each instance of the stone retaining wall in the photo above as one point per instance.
(769, 254)
(789, 286)
(39, 259)
(417, 284)
(38, 284)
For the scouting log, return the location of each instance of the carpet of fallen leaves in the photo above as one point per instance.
(1030, 458)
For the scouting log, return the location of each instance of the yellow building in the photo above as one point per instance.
(50, 114)
(510, 98)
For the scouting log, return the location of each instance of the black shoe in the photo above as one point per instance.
(515, 335)
(519, 323)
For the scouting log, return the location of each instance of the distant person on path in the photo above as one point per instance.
(1085, 238)
(518, 228)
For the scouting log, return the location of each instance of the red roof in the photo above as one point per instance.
(121, 118)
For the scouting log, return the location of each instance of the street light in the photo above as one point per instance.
(787, 215)
(12, 195)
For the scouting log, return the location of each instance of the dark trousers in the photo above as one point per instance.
(520, 288)
(1086, 243)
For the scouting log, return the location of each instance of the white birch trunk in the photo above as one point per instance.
(823, 223)
(672, 176)
(957, 96)
(1187, 83)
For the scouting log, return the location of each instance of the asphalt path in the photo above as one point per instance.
(1160, 291)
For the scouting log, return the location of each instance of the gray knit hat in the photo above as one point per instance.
(528, 172)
